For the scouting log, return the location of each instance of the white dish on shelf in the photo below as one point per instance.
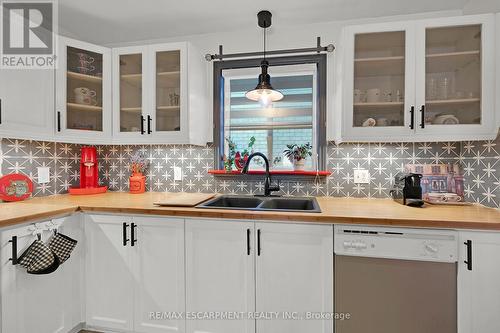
(446, 119)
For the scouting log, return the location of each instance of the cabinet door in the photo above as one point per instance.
(130, 94)
(170, 107)
(109, 275)
(40, 303)
(455, 78)
(27, 103)
(159, 274)
(83, 92)
(478, 288)
(379, 91)
(294, 270)
(219, 274)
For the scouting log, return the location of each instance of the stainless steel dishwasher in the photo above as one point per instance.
(395, 280)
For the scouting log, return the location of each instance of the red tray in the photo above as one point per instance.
(87, 191)
(15, 187)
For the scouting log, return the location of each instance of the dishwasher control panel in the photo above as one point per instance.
(396, 243)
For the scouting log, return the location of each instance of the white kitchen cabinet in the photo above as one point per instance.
(291, 274)
(131, 275)
(160, 95)
(41, 303)
(423, 80)
(294, 276)
(27, 103)
(220, 274)
(478, 288)
(109, 278)
(83, 95)
(159, 278)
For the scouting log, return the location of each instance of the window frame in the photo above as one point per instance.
(319, 60)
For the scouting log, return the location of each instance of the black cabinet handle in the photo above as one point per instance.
(132, 234)
(248, 242)
(468, 262)
(125, 239)
(142, 125)
(412, 117)
(149, 124)
(258, 242)
(58, 121)
(422, 114)
(14, 250)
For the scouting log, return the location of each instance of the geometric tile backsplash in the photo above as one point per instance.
(480, 161)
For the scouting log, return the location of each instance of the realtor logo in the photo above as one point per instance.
(28, 34)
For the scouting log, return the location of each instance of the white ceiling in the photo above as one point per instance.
(114, 21)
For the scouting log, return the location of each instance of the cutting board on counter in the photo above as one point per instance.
(183, 199)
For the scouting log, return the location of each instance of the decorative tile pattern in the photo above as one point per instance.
(479, 159)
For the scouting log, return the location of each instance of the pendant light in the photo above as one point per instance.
(264, 93)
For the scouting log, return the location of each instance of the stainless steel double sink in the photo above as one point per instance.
(258, 203)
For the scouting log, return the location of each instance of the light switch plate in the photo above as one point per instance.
(361, 176)
(43, 175)
(177, 173)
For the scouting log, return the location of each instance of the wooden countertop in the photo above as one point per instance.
(383, 212)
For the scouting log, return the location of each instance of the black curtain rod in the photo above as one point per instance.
(317, 49)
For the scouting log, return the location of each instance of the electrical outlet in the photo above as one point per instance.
(43, 175)
(361, 176)
(177, 173)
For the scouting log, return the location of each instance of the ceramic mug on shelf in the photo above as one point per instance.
(373, 95)
(86, 100)
(84, 91)
(85, 57)
(85, 69)
(358, 96)
(382, 122)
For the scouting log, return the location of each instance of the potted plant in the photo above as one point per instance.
(297, 154)
(241, 158)
(138, 165)
(237, 158)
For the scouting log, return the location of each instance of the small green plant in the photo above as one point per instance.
(138, 163)
(232, 150)
(296, 152)
(229, 158)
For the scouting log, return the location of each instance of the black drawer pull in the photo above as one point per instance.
(125, 239)
(248, 242)
(468, 262)
(412, 117)
(14, 250)
(132, 234)
(422, 114)
(149, 124)
(258, 242)
(142, 124)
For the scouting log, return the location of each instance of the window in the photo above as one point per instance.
(299, 118)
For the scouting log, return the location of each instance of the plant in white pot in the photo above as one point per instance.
(297, 154)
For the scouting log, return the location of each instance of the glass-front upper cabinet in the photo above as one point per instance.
(455, 75)
(129, 93)
(419, 80)
(83, 94)
(168, 91)
(378, 92)
(169, 78)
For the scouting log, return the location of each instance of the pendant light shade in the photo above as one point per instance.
(264, 93)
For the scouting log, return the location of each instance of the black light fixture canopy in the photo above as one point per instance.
(264, 91)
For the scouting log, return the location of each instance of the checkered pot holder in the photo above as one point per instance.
(62, 246)
(39, 259)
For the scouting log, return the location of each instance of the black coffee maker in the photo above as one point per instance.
(407, 189)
